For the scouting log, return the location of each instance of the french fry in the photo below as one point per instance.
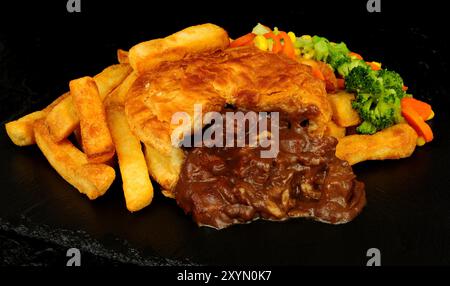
(122, 56)
(117, 96)
(200, 38)
(93, 180)
(21, 132)
(63, 119)
(137, 187)
(111, 77)
(79, 145)
(343, 113)
(95, 136)
(395, 142)
(77, 135)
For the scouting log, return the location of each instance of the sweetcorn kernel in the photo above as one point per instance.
(261, 42)
(309, 55)
(420, 141)
(306, 37)
(292, 36)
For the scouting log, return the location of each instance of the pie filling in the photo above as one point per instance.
(222, 186)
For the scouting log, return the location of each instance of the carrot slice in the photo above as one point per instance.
(341, 83)
(415, 120)
(374, 66)
(288, 47)
(318, 74)
(243, 41)
(355, 55)
(405, 88)
(315, 68)
(422, 108)
(276, 42)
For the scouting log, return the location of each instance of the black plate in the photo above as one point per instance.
(407, 215)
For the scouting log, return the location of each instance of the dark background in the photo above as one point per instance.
(42, 47)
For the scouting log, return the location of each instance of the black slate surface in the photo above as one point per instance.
(42, 47)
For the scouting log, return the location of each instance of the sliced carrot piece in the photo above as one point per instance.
(243, 41)
(374, 66)
(276, 42)
(318, 74)
(341, 83)
(415, 120)
(288, 47)
(422, 108)
(405, 88)
(315, 68)
(355, 55)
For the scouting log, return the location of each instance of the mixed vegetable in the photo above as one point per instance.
(381, 98)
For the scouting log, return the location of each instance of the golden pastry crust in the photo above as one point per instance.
(246, 77)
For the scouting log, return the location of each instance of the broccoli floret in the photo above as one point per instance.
(340, 48)
(379, 113)
(345, 68)
(336, 60)
(366, 128)
(362, 79)
(321, 50)
(397, 110)
(392, 80)
(316, 39)
(378, 93)
(338, 55)
(376, 104)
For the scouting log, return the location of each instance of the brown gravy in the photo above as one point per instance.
(230, 185)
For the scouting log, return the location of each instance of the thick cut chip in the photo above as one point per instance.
(137, 187)
(398, 141)
(63, 119)
(93, 180)
(95, 136)
(195, 39)
(21, 131)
